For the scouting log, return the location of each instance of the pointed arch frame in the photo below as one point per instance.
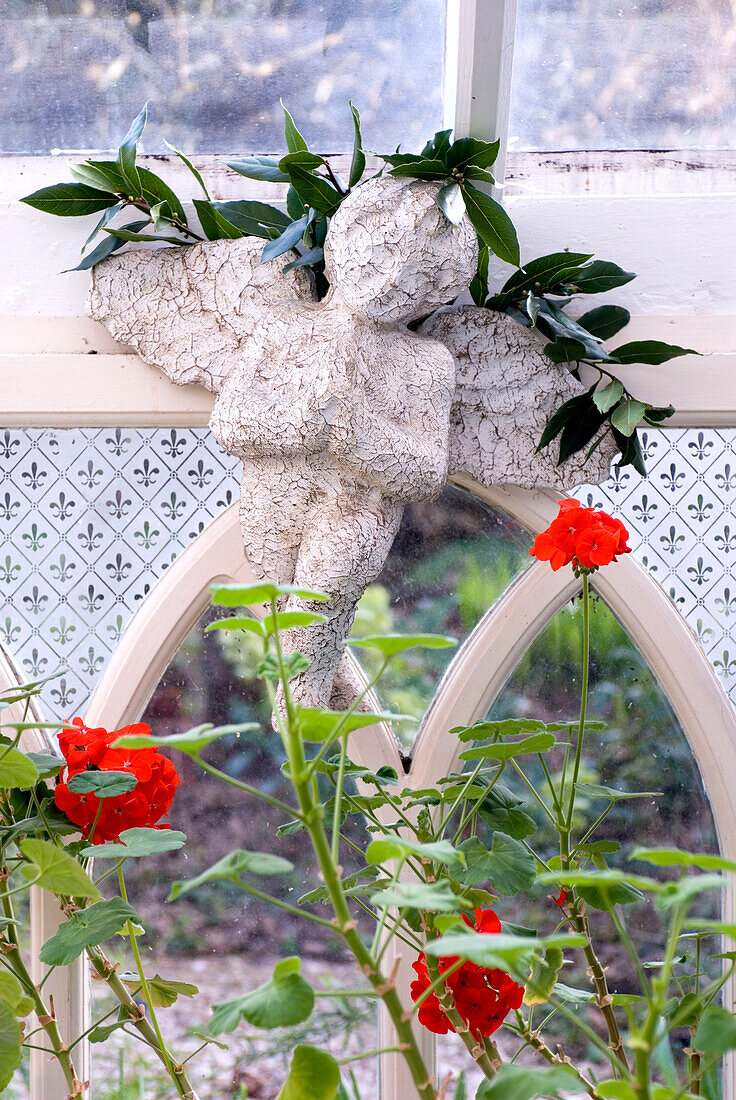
(474, 678)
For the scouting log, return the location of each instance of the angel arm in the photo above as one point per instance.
(506, 391)
(188, 309)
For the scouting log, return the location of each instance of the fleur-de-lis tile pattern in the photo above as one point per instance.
(90, 518)
(682, 519)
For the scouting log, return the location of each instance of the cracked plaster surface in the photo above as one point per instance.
(340, 412)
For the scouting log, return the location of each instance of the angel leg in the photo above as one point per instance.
(346, 540)
(272, 518)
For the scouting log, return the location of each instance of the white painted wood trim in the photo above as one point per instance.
(69, 985)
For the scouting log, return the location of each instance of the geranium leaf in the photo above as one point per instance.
(10, 1045)
(163, 991)
(134, 843)
(676, 857)
(87, 928)
(319, 724)
(237, 595)
(434, 896)
(513, 1082)
(55, 870)
(505, 750)
(283, 1001)
(103, 784)
(313, 1075)
(543, 976)
(231, 867)
(191, 742)
(391, 644)
(397, 847)
(17, 770)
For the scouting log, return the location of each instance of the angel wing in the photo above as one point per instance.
(188, 309)
(506, 391)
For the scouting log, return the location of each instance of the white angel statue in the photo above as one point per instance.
(340, 412)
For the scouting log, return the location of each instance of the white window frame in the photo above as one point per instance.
(648, 211)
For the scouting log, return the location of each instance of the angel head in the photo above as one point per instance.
(392, 255)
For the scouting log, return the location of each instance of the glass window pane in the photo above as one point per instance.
(599, 74)
(642, 748)
(219, 937)
(74, 75)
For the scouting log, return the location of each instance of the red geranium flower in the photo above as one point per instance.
(86, 749)
(584, 537)
(482, 996)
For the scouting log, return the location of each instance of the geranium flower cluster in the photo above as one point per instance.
(86, 749)
(585, 537)
(482, 996)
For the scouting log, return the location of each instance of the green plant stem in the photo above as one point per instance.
(369, 1054)
(538, 1044)
(247, 789)
(583, 698)
(46, 1019)
(107, 971)
(577, 919)
(344, 922)
(165, 1054)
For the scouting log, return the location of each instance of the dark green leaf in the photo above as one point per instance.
(631, 452)
(307, 259)
(286, 240)
(422, 170)
(103, 784)
(294, 140)
(579, 432)
(570, 411)
(357, 164)
(185, 160)
(155, 190)
(129, 149)
(599, 276)
(125, 233)
(657, 415)
(283, 1001)
(438, 147)
(511, 867)
(214, 226)
(479, 284)
(450, 202)
(650, 352)
(111, 243)
(265, 169)
(313, 1075)
(542, 274)
(492, 224)
(505, 750)
(255, 219)
(70, 200)
(468, 150)
(314, 190)
(103, 175)
(302, 159)
(231, 867)
(87, 928)
(479, 175)
(605, 321)
(555, 322)
(503, 811)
